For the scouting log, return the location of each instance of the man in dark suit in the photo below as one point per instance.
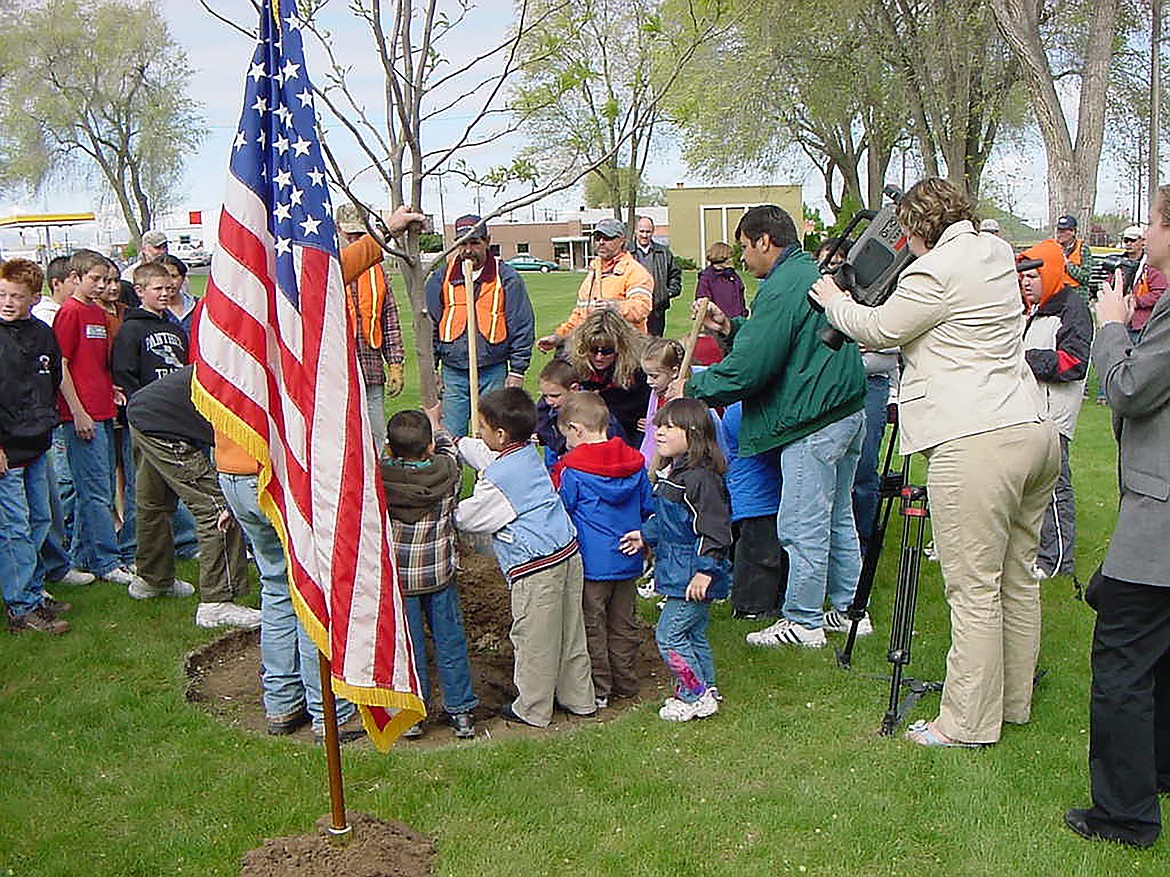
(1129, 727)
(659, 261)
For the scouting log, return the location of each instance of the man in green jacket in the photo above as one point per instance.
(807, 400)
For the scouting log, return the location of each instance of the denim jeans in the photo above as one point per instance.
(24, 523)
(54, 554)
(457, 395)
(95, 545)
(289, 670)
(682, 629)
(128, 533)
(815, 520)
(59, 457)
(441, 610)
(867, 481)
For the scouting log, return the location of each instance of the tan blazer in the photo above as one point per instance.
(958, 318)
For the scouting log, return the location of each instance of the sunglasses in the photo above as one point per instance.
(603, 351)
(1130, 240)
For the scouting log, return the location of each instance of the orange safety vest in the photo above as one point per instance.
(489, 304)
(1075, 257)
(370, 298)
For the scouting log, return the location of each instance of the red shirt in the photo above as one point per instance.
(83, 336)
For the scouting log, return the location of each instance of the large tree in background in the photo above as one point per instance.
(96, 88)
(612, 63)
(1073, 42)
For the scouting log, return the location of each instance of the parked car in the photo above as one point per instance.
(195, 257)
(524, 262)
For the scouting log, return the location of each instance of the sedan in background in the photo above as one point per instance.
(195, 257)
(524, 262)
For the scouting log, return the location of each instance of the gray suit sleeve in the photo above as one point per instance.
(1135, 376)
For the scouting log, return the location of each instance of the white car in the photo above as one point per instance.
(195, 257)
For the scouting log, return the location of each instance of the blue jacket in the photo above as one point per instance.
(607, 494)
(752, 482)
(690, 531)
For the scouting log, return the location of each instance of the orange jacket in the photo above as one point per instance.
(623, 281)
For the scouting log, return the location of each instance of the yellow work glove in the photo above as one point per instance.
(393, 379)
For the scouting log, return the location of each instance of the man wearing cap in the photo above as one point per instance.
(153, 243)
(991, 226)
(659, 261)
(1148, 282)
(374, 316)
(1076, 255)
(616, 280)
(504, 323)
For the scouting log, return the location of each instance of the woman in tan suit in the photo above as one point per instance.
(967, 402)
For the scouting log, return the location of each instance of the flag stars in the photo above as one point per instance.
(261, 105)
(241, 141)
(257, 72)
(305, 97)
(301, 147)
(316, 177)
(283, 246)
(293, 22)
(281, 144)
(283, 179)
(289, 71)
(309, 224)
(282, 112)
(281, 212)
(295, 197)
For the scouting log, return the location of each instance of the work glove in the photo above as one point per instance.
(394, 379)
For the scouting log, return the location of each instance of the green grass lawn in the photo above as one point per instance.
(108, 771)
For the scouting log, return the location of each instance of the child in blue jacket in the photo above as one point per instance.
(605, 489)
(690, 532)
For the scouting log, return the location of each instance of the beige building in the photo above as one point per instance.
(702, 215)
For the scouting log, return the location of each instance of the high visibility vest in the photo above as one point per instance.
(1076, 257)
(365, 308)
(489, 304)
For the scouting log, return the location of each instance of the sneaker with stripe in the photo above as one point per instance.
(787, 633)
(837, 621)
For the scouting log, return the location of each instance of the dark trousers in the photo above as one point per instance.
(759, 570)
(1129, 722)
(612, 635)
(656, 321)
(1058, 534)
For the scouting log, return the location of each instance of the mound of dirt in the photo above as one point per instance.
(375, 849)
(224, 675)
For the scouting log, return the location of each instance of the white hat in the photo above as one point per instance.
(1133, 231)
(989, 225)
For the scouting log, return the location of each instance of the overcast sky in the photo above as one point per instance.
(219, 57)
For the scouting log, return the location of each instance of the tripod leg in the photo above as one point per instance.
(905, 597)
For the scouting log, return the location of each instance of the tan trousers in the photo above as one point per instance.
(611, 632)
(548, 636)
(988, 494)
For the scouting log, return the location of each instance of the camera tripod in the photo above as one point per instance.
(913, 506)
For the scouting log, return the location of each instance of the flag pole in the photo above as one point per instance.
(340, 831)
(472, 344)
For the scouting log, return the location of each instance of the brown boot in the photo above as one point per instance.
(40, 620)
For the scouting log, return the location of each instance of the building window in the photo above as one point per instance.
(522, 247)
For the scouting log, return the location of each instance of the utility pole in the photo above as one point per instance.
(1155, 97)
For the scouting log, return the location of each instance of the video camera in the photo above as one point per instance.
(1114, 262)
(870, 272)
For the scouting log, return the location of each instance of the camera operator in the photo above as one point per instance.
(1148, 282)
(806, 399)
(969, 403)
(1129, 737)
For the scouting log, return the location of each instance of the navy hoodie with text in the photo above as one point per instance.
(607, 494)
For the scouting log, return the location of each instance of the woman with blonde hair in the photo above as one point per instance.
(606, 353)
(968, 403)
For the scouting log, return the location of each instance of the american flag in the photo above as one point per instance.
(275, 370)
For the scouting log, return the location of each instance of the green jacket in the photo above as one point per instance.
(791, 383)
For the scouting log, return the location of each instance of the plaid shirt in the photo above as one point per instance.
(369, 358)
(425, 550)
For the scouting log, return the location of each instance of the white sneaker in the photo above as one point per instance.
(119, 575)
(1039, 574)
(676, 710)
(646, 589)
(602, 703)
(785, 633)
(78, 577)
(138, 589)
(837, 621)
(227, 614)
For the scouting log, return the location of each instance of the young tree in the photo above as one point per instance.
(96, 87)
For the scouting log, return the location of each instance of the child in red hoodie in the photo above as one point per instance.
(605, 489)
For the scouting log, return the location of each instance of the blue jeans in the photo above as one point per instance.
(95, 545)
(24, 524)
(128, 534)
(867, 481)
(682, 628)
(289, 669)
(441, 610)
(457, 395)
(54, 555)
(815, 520)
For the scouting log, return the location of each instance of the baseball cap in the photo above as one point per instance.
(989, 225)
(1133, 233)
(610, 228)
(348, 220)
(1066, 221)
(154, 238)
(470, 223)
